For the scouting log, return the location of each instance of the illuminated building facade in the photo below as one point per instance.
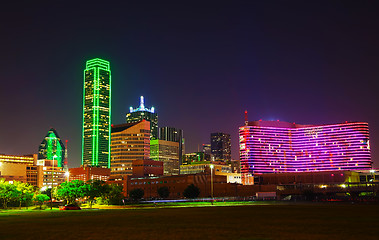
(276, 147)
(195, 157)
(143, 113)
(167, 152)
(221, 147)
(52, 175)
(89, 173)
(96, 113)
(172, 134)
(13, 168)
(130, 142)
(52, 148)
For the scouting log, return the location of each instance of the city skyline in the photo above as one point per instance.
(201, 67)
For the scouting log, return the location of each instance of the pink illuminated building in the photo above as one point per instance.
(276, 147)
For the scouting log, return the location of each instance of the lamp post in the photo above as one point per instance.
(211, 167)
(52, 184)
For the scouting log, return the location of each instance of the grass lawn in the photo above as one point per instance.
(261, 221)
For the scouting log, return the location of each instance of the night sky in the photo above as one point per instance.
(200, 65)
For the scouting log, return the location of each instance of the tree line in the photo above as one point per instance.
(23, 194)
(18, 194)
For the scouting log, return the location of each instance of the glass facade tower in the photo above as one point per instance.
(96, 113)
(221, 147)
(144, 113)
(52, 148)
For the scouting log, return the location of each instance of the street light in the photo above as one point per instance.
(52, 184)
(211, 167)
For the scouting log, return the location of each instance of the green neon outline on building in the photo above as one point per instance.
(96, 113)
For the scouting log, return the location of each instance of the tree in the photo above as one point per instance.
(164, 192)
(115, 194)
(8, 192)
(136, 194)
(191, 191)
(70, 191)
(40, 199)
(95, 189)
(26, 192)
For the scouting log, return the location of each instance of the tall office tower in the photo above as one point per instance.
(221, 147)
(276, 147)
(52, 148)
(129, 142)
(96, 113)
(173, 135)
(142, 113)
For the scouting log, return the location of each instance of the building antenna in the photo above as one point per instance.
(246, 120)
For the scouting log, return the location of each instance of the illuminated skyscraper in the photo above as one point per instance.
(276, 147)
(52, 148)
(221, 147)
(96, 113)
(130, 142)
(142, 113)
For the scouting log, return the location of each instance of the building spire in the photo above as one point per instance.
(142, 105)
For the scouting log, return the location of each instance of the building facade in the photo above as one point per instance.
(130, 142)
(218, 169)
(13, 168)
(167, 152)
(147, 168)
(275, 147)
(89, 173)
(221, 147)
(96, 113)
(52, 148)
(143, 113)
(52, 175)
(172, 134)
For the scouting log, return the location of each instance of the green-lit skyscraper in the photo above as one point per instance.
(96, 113)
(52, 148)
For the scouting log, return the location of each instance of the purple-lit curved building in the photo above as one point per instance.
(275, 147)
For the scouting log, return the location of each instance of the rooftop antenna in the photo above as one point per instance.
(246, 120)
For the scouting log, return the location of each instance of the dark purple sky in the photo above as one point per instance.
(200, 65)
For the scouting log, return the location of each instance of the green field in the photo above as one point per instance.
(255, 221)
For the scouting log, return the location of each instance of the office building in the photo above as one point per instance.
(167, 152)
(194, 168)
(52, 148)
(13, 168)
(147, 168)
(96, 114)
(195, 157)
(143, 113)
(172, 134)
(277, 147)
(89, 173)
(207, 149)
(130, 142)
(52, 175)
(221, 147)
